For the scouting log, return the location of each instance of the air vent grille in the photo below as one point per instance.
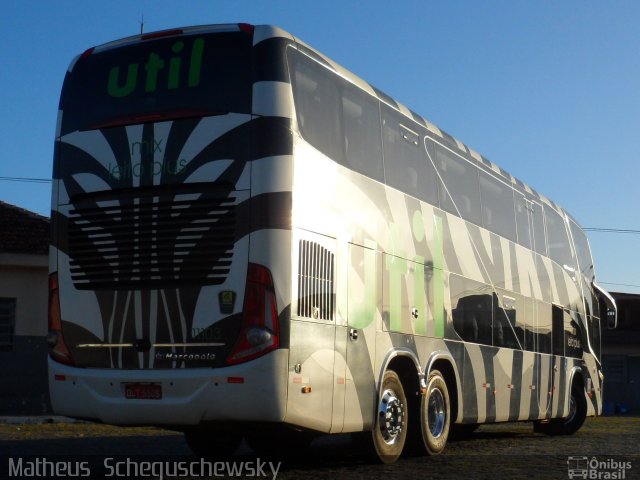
(316, 271)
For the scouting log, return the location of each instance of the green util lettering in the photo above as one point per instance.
(362, 310)
(153, 66)
(113, 87)
(420, 320)
(397, 268)
(438, 286)
(195, 66)
(174, 67)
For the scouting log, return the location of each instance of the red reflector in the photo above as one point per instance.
(235, 379)
(163, 33)
(60, 378)
(87, 52)
(246, 28)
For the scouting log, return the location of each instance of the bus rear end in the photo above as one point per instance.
(163, 306)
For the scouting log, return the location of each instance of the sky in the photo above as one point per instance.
(548, 90)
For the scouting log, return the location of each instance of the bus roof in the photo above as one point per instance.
(264, 32)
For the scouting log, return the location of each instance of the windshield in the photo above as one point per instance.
(172, 77)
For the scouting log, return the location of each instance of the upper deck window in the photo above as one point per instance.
(558, 239)
(583, 252)
(497, 206)
(462, 193)
(177, 76)
(336, 117)
(407, 166)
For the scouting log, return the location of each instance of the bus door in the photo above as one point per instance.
(558, 321)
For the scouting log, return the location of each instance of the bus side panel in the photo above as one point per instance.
(311, 375)
(364, 317)
(593, 385)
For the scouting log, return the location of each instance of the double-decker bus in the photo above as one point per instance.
(249, 241)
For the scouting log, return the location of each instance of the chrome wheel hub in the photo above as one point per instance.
(391, 416)
(436, 414)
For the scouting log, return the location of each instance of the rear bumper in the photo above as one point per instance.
(189, 396)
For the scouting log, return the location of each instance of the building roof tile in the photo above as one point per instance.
(23, 231)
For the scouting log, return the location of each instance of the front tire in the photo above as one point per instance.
(572, 422)
(435, 414)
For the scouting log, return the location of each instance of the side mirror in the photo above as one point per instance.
(612, 319)
(610, 305)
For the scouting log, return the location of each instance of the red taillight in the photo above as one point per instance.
(259, 332)
(87, 53)
(58, 349)
(162, 33)
(246, 28)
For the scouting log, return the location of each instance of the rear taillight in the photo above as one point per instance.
(246, 28)
(57, 348)
(162, 33)
(259, 332)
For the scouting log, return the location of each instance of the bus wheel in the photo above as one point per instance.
(390, 431)
(435, 414)
(573, 421)
(212, 444)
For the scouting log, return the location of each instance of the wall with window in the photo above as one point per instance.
(23, 330)
(621, 358)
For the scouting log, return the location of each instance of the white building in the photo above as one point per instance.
(24, 247)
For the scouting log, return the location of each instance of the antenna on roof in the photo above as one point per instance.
(141, 24)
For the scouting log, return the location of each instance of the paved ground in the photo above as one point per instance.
(493, 452)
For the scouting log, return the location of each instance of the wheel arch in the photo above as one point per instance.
(576, 375)
(443, 361)
(405, 363)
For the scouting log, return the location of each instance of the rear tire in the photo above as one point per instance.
(389, 433)
(435, 414)
(212, 444)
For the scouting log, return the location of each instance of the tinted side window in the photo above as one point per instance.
(523, 222)
(461, 194)
(336, 117)
(544, 324)
(497, 206)
(317, 100)
(361, 120)
(539, 239)
(594, 332)
(559, 247)
(406, 165)
(585, 262)
(472, 306)
(508, 321)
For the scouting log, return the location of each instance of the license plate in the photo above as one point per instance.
(143, 391)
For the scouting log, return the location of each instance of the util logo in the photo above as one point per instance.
(156, 67)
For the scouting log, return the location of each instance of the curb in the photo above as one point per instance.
(37, 420)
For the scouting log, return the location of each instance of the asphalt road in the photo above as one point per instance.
(606, 447)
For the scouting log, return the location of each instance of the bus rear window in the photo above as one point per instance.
(178, 76)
